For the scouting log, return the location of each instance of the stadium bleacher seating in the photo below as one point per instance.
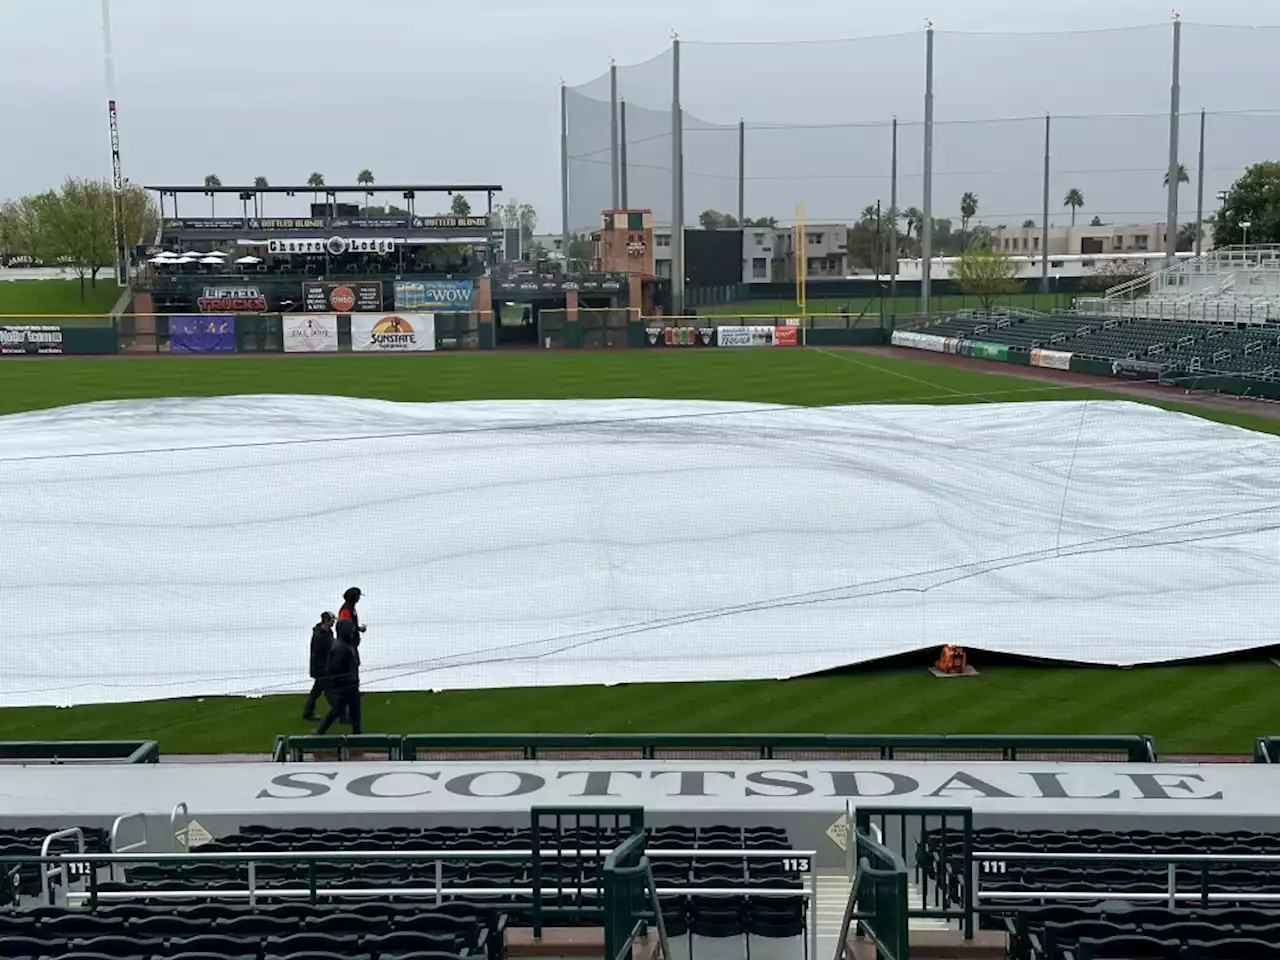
(1180, 347)
(466, 919)
(1228, 910)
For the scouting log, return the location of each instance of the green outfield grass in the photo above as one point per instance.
(1209, 708)
(22, 299)
(870, 306)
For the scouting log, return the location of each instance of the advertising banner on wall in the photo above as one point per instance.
(680, 336)
(23, 340)
(228, 299)
(202, 334)
(1052, 359)
(786, 335)
(393, 333)
(310, 333)
(744, 336)
(362, 296)
(436, 296)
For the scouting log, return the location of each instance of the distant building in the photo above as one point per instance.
(1087, 239)
(768, 253)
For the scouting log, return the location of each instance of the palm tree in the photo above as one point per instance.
(869, 213)
(259, 183)
(212, 180)
(315, 180)
(1183, 176)
(968, 208)
(1074, 199)
(365, 178)
(915, 222)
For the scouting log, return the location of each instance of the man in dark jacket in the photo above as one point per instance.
(343, 678)
(348, 611)
(321, 641)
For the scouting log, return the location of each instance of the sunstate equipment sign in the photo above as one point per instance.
(393, 332)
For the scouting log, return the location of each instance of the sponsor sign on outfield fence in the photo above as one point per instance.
(20, 340)
(202, 334)
(311, 333)
(1052, 359)
(744, 336)
(393, 333)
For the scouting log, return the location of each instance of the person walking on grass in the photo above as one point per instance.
(342, 675)
(321, 643)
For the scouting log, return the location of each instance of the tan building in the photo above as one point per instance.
(826, 251)
(1084, 239)
(624, 243)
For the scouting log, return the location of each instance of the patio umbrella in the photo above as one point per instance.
(217, 260)
(249, 260)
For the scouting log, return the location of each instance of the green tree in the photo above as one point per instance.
(1253, 199)
(715, 220)
(314, 181)
(212, 180)
(915, 223)
(460, 206)
(987, 275)
(365, 179)
(259, 184)
(968, 210)
(514, 214)
(1075, 200)
(760, 222)
(1096, 221)
(1028, 224)
(1183, 176)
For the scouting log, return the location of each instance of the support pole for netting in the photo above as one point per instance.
(622, 151)
(113, 128)
(564, 170)
(1175, 105)
(742, 172)
(926, 228)
(615, 180)
(893, 213)
(1044, 213)
(677, 185)
(1200, 191)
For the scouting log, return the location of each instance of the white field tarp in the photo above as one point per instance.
(184, 547)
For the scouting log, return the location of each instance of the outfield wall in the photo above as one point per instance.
(312, 333)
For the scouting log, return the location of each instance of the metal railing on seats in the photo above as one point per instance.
(763, 746)
(1174, 894)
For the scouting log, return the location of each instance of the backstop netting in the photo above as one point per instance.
(818, 126)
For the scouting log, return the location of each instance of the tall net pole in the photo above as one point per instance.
(564, 169)
(926, 228)
(1175, 106)
(742, 173)
(1200, 191)
(117, 175)
(1044, 213)
(893, 213)
(622, 153)
(615, 177)
(677, 185)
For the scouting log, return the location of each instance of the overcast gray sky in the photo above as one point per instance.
(428, 90)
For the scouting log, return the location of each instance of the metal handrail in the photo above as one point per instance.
(117, 847)
(60, 871)
(850, 908)
(242, 856)
(181, 835)
(660, 921)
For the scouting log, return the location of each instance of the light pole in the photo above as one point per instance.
(1244, 226)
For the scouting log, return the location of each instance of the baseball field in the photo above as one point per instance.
(1203, 708)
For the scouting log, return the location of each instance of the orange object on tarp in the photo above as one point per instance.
(952, 659)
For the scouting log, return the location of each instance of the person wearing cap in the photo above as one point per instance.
(348, 611)
(342, 674)
(321, 643)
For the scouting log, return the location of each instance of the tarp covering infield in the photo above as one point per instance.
(180, 547)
